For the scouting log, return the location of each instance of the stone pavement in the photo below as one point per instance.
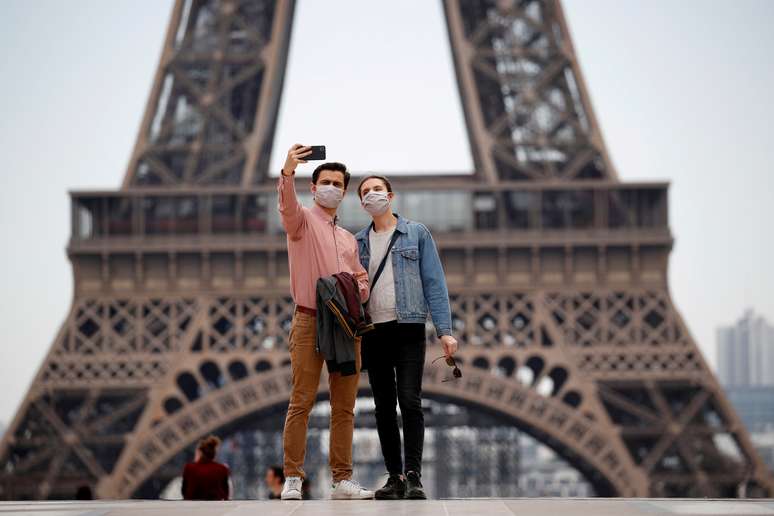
(466, 507)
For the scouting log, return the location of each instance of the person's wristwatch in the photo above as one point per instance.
(282, 172)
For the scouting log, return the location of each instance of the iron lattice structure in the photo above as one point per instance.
(558, 274)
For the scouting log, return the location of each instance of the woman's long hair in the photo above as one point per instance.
(209, 447)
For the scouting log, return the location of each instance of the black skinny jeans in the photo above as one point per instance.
(394, 355)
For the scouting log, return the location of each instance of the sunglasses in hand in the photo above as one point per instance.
(456, 373)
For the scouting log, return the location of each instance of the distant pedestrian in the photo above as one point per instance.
(84, 493)
(306, 489)
(205, 479)
(275, 479)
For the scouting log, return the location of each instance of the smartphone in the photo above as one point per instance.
(318, 153)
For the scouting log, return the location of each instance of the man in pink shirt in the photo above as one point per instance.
(318, 247)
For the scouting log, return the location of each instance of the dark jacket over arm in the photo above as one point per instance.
(340, 319)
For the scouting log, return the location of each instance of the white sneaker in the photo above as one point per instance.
(350, 490)
(292, 489)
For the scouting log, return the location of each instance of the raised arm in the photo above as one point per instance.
(291, 211)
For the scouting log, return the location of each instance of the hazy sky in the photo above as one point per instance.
(682, 91)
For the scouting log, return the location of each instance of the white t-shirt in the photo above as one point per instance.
(381, 305)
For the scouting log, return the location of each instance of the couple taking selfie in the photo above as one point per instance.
(361, 304)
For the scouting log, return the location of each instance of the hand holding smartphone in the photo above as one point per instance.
(318, 153)
(301, 154)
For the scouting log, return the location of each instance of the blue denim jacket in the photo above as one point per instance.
(419, 279)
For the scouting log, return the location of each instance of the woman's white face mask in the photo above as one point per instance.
(376, 202)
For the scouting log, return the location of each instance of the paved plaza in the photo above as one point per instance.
(469, 507)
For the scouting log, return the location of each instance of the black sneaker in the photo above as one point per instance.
(394, 489)
(414, 489)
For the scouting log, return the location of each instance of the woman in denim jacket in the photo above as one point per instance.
(411, 284)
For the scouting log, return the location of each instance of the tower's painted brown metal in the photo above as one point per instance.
(558, 273)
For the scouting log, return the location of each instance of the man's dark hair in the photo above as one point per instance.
(278, 472)
(333, 166)
(381, 178)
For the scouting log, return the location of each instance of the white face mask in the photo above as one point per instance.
(376, 203)
(329, 196)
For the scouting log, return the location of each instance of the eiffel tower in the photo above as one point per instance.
(557, 272)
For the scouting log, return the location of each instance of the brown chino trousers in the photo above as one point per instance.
(306, 364)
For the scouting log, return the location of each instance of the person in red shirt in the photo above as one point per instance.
(205, 479)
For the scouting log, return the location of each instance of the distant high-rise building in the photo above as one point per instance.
(755, 406)
(745, 352)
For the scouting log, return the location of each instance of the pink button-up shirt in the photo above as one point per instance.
(317, 247)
